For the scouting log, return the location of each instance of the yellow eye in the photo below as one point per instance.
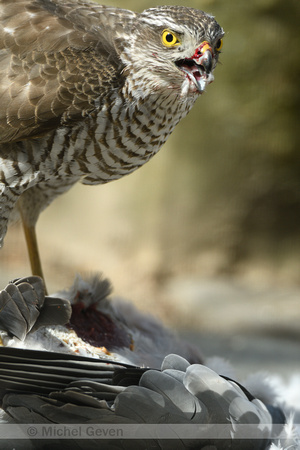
(169, 39)
(219, 45)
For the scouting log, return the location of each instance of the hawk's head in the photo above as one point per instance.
(174, 47)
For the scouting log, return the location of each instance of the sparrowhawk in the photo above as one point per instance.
(90, 93)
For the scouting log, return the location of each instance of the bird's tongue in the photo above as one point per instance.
(202, 82)
(196, 73)
(200, 79)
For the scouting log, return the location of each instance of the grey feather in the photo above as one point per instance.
(147, 407)
(176, 374)
(173, 390)
(11, 319)
(24, 307)
(175, 362)
(214, 392)
(55, 311)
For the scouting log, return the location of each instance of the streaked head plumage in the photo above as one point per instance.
(163, 47)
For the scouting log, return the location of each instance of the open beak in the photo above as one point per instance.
(198, 68)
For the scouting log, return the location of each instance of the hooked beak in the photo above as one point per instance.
(198, 68)
(206, 61)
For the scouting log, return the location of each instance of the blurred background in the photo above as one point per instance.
(206, 236)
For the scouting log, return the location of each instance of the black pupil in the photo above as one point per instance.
(218, 44)
(169, 37)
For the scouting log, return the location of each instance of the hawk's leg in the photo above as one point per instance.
(30, 204)
(9, 197)
(32, 246)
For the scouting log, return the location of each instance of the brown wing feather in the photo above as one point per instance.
(56, 61)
